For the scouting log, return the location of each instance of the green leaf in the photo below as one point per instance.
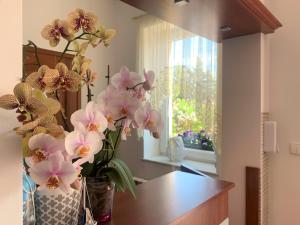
(87, 169)
(126, 175)
(114, 175)
(114, 137)
(90, 169)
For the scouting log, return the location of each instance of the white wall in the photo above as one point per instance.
(112, 13)
(36, 14)
(131, 151)
(241, 113)
(284, 108)
(10, 160)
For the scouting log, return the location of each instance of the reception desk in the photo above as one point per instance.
(176, 198)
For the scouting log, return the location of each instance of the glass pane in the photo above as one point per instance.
(193, 65)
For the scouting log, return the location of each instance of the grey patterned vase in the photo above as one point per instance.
(101, 194)
(57, 209)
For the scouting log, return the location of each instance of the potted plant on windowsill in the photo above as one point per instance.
(201, 140)
(56, 160)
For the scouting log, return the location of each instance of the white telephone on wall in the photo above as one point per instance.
(270, 137)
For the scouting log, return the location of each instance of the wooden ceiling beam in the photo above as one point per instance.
(206, 17)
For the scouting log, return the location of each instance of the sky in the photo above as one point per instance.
(187, 51)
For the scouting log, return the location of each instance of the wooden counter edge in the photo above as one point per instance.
(211, 212)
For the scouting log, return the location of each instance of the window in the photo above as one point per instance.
(193, 66)
(186, 87)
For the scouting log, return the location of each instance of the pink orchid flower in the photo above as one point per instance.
(109, 117)
(106, 95)
(125, 79)
(139, 93)
(103, 100)
(54, 173)
(149, 80)
(150, 119)
(91, 118)
(84, 145)
(126, 131)
(123, 105)
(42, 146)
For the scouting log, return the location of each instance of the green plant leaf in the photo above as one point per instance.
(125, 174)
(114, 175)
(91, 169)
(87, 169)
(114, 137)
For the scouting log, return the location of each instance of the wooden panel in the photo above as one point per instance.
(206, 17)
(252, 196)
(71, 101)
(212, 212)
(174, 198)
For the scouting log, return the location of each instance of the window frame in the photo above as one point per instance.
(195, 155)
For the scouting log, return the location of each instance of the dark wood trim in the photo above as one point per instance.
(258, 10)
(43, 51)
(207, 17)
(252, 196)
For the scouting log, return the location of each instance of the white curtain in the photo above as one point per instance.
(186, 76)
(155, 42)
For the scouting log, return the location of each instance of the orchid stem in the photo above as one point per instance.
(65, 50)
(108, 74)
(132, 88)
(118, 137)
(31, 43)
(70, 50)
(84, 39)
(108, 142)
(122, 118)
(89, 94)
(63, 116)
(69, 42)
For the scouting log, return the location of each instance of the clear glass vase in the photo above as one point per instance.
(101, 195)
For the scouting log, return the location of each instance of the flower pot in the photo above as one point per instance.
(57, 208)
(101, 195)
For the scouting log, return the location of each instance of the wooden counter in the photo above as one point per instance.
(176, 198)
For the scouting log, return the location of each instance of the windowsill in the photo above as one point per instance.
(205, 167)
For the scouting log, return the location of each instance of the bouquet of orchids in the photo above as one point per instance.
(56, 159)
